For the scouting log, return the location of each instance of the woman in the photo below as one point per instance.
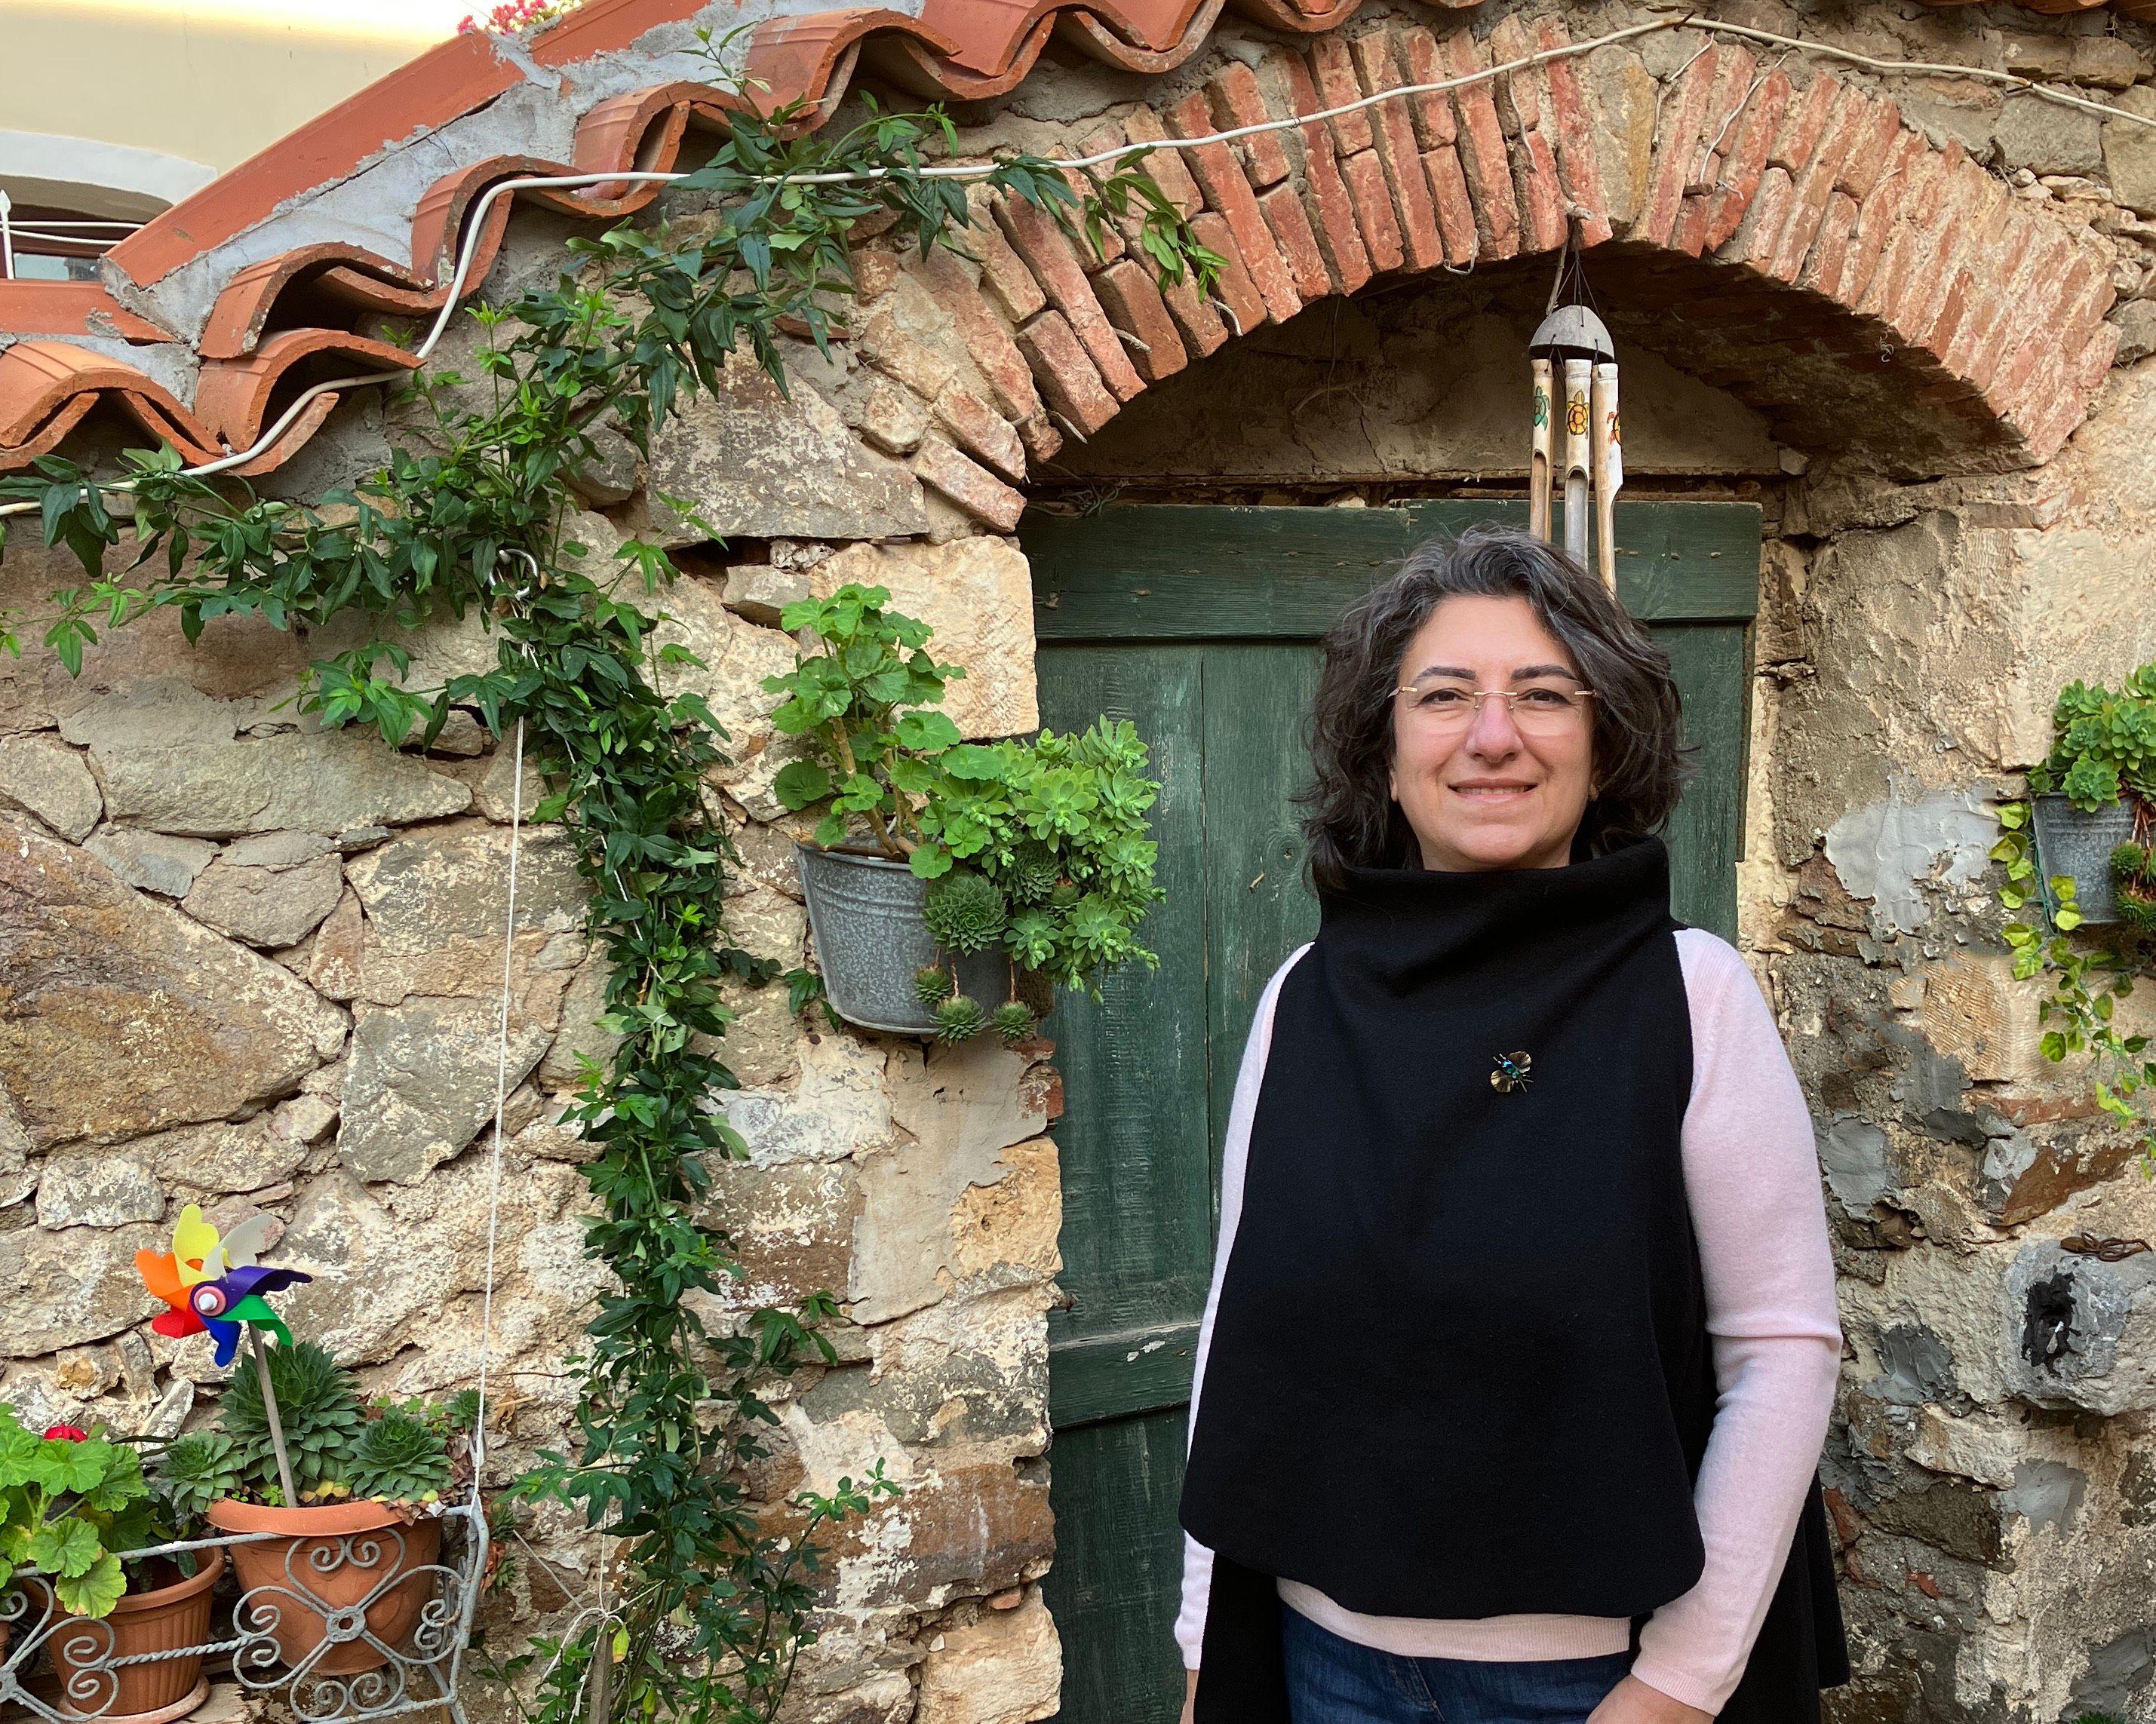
(1522, 1340)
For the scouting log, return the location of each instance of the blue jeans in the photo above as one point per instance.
(1334, 1681)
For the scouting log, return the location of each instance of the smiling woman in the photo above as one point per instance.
(1413, 758)
(1578, 1479)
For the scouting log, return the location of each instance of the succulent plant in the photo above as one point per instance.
(399, 1458)
(960, 1017)
(319, 1406)
(1014, 1021)
(963, 910)
(932, 984)
(198, 1469)
(1032, 872)
(2129, 859)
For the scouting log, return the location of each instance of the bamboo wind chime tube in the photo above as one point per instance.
(1579, 455)
(1608, 469)
(1539, 455)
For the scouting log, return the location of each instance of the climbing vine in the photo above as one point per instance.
(707, 1599)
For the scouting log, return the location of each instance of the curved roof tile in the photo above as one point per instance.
(279, 318)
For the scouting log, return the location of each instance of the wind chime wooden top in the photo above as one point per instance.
(1574, 367)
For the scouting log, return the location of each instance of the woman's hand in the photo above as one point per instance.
(1633, 1701)
(1190, 1697)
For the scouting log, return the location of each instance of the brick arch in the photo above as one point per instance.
(1791, 239)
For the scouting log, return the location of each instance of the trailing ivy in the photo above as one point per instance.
(708, 1598)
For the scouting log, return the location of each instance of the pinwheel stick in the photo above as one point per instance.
(276, 1421)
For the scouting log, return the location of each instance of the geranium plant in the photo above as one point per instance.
(70, 1505)
(1039, 848)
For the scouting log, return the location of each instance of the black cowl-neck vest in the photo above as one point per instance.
(1459, 1366)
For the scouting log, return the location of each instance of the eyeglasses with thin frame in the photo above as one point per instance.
(1541, 710)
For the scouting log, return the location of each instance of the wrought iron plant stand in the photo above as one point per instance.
(349, 1675)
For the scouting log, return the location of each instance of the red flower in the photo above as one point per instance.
(66, 1434)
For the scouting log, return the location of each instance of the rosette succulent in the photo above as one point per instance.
(964, 910)
(960, 1017)
(321, 1414)
(1014, 1021)
(399, 1458)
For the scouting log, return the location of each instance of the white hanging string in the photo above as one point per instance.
(501, 1107)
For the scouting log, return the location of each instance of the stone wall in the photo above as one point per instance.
(252, 966)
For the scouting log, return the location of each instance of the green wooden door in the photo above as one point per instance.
(1199, 625)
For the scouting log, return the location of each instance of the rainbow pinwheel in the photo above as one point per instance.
(215, 1284)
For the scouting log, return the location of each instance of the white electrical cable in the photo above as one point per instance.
(476, 227)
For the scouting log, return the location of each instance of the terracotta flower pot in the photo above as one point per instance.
(342, 1572)
(163, 1619)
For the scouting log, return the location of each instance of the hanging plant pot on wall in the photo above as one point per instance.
(864, 912)
(2079, 842)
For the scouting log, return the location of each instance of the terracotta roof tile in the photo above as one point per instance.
(46, 388)
(278, 320)
(71, 308)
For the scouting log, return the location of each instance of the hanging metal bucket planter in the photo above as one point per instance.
(864, 913)
(2079, 843)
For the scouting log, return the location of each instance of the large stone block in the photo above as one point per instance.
(792, 1227)
(961, 1108)
(1976, 1011)
(977, 594)
(436, 908)
(422, 1084)
(213, 1161)
(64, 1289)
(2129, 153)
(753, 465)
(49, 781)
(120, 1016)
(968, 1372)
(97, 1191)
(397, 1265)
(735, 656)
(1005, 1667)
(240, 659)
(837, 1107)
(266, 906)
(307, 781)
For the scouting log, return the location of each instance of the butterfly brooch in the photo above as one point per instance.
(1511, 1073)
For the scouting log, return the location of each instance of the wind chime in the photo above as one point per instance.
(1575, 369)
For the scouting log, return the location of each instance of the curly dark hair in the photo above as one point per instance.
(1640, 760)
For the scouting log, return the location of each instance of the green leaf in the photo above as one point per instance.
(93, 1592)
(926, 732)
(971, 760)
(66, 1547)
(801, 783)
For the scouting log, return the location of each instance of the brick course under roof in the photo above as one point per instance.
(1783, 177)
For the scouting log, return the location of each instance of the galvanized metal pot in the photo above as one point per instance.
(864, 912)
(2070, 842)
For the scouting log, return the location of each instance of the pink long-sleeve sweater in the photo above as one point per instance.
(1751, 1176)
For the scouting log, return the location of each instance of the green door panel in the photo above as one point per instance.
(1199, 625)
